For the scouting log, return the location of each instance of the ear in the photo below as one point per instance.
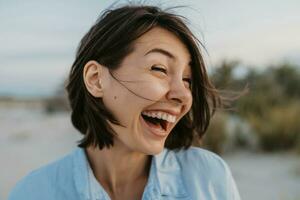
(92, 76)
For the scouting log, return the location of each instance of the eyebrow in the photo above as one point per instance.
(161, 51)
(164, 52)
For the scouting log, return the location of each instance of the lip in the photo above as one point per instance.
(157, 133)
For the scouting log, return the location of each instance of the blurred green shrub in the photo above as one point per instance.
(278, 128)
(272, 105)
(216, 136)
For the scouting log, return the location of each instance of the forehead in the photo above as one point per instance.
(158, 40)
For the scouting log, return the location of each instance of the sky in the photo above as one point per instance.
(38, 39)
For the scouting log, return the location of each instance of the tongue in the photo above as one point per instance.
(153, 125)
(152, 122)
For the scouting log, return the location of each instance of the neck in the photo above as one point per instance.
(117, 168)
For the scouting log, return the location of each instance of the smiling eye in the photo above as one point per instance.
(158, 68)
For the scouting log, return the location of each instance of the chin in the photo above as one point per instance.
(153, 149)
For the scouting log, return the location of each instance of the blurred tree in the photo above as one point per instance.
(272, 104)
(222, 77)
(288, 77)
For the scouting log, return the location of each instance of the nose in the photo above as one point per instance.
(178, 92)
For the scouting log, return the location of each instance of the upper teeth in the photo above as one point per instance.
(160, 115)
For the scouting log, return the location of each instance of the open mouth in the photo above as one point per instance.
(163, 124)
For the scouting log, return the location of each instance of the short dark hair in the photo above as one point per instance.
(108, 42)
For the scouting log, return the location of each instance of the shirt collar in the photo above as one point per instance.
(85, 181)
(169, 174)
(165, 177)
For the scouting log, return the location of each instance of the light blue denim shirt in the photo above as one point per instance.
(192, 174)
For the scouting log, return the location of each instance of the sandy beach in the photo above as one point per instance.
(30, 138)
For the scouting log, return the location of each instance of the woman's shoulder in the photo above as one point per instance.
(194, 162)
(44, 181)
(201, 172)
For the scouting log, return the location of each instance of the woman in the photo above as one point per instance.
(140, 95)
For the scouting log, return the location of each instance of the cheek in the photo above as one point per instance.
(190, 100)
(152, 90)
(132, 97)
(188, 103)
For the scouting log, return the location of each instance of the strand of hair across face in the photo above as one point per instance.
(120, 81)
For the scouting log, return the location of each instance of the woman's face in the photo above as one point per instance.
(152, 82)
